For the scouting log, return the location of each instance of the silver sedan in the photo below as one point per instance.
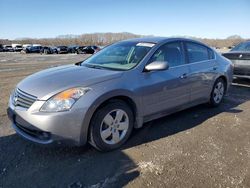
(102, 99)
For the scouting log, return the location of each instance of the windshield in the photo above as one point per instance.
(245, 46)
(119, 56)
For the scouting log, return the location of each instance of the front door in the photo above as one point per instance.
(168, 89)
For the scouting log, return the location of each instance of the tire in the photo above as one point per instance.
(111, 126)
(217, 93)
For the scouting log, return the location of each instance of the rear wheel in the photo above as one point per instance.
(111, 126)
(218, 92)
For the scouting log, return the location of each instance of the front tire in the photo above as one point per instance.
(218, 92)
(111, 126)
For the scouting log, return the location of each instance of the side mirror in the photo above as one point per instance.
(157, 66)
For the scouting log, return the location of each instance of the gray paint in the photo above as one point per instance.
(154, 93)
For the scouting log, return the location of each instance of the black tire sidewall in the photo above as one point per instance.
(97, 119)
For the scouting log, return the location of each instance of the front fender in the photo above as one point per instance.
(100, 100)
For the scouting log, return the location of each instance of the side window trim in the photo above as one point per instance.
(210, 51)
(182, 51)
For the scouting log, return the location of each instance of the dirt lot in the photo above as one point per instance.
(198, 147)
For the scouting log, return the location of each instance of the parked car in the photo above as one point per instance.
(101, 99)
(88, 50)
(1, 48)
(46, 50)
(240, 56)
(32, 49)
(79, 49)
(73, 49)
(8, 48)
(61, 49)
(18, 48)
(27, 45)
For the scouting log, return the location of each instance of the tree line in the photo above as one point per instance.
(102, 39)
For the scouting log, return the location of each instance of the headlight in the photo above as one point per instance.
(64, 101)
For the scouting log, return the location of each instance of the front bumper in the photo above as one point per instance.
(241, 68)
(46, 128)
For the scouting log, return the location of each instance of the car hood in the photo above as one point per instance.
(47, 83)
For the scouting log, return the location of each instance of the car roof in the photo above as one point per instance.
(160, 39)
(148, 39)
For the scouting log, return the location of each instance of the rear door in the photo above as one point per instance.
(202, 65)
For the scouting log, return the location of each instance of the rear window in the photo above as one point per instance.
(197, 52)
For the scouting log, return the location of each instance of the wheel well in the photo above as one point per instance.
(125, 99)
(224, 79)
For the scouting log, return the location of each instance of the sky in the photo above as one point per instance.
(197, 18)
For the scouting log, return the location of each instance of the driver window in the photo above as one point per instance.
(170, 52)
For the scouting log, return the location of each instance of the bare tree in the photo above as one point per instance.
(108, 38)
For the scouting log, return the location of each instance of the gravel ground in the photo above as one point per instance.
(198, 147)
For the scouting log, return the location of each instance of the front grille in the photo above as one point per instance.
(23, 99)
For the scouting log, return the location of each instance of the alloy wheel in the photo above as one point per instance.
(114, 126)
(218, 92)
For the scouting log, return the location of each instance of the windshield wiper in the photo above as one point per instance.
(94, 66)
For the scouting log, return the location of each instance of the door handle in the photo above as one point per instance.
(183, 76)
(215, 68)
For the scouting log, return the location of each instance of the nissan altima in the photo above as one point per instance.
(102, 99)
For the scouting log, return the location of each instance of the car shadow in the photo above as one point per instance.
(25, 164)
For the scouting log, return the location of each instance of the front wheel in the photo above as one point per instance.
(218, 92)
(111, 126)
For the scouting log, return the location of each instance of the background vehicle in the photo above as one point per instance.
(17, 47)
(128, 83)
(32, 49)
(46, 50)
(240, 57)
(27, 45)
(1, 48)
(79, 49)
(88, 50)
(8, 48)
(72, 49)
(61, 49)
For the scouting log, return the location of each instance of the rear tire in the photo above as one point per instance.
(111, 126)
(217, 93)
